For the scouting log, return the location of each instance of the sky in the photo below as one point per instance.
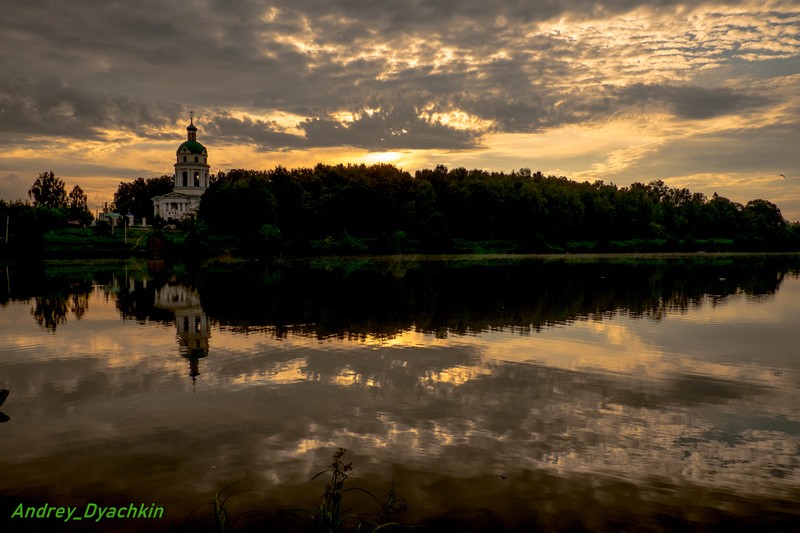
(703, 95)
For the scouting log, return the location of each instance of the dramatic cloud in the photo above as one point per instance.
(56, 108)
(387, 126)
(690, 102)
(427, 79)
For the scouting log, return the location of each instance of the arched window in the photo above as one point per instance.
(185, 178)
(196, 179)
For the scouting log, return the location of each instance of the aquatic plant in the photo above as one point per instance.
(330, 516)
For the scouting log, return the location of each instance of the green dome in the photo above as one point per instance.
(194, 147)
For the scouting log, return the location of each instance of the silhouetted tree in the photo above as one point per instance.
(136, 196)
(78, 201)
(382, 208)
(48, 191)
(78, 205)
(239, 203)
(763, 216)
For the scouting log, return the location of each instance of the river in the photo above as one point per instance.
(652, 393)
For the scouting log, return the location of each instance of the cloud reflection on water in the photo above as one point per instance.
(590, 401)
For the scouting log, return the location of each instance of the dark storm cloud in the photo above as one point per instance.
(396, 17)
(163, 49)
(690, 102)
(541, 107)
(267, 135)
(387, 127)
(54, 107)
(384, 126)
(75, 68)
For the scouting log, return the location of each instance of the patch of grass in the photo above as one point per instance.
(94, 242)
(176, 238)
(485, 247)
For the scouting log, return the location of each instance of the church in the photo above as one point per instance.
(191, 180)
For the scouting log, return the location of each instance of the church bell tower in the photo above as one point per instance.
(191, 168)
(191, 180)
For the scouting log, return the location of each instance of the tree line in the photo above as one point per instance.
(49, 207)
(329, 209)
(355, 297)
(380, 208)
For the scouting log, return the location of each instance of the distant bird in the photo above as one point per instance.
(781, 175)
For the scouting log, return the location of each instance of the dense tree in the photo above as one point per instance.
(136, 196)
(382, 208)
(78, 201)
(239, 203)
(27, 224)
(78, 205)
(763, 216)
(48, 191)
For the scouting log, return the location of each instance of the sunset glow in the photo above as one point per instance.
(704, 95)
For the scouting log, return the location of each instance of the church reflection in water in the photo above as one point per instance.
(191, 322)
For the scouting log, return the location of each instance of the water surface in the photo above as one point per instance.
(601, 394)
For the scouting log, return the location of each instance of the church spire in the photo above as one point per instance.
(191, 129)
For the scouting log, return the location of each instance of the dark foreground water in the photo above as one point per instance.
(600, 394)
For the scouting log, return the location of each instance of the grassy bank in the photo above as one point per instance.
(398, 243)
(77, 243)
(91, 243)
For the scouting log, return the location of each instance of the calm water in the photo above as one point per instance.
(495, 394)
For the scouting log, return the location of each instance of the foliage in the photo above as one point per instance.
(25, 225)
(136, 196)
(240, 203)
(48, 191)
(78, 201)
(78, 205)
(382, 209)
(270, 238)
(329, 517)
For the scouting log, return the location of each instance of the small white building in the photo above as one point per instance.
(191, 180)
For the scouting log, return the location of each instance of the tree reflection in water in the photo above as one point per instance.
(353, 298)
(526, 442)
(52, 310)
